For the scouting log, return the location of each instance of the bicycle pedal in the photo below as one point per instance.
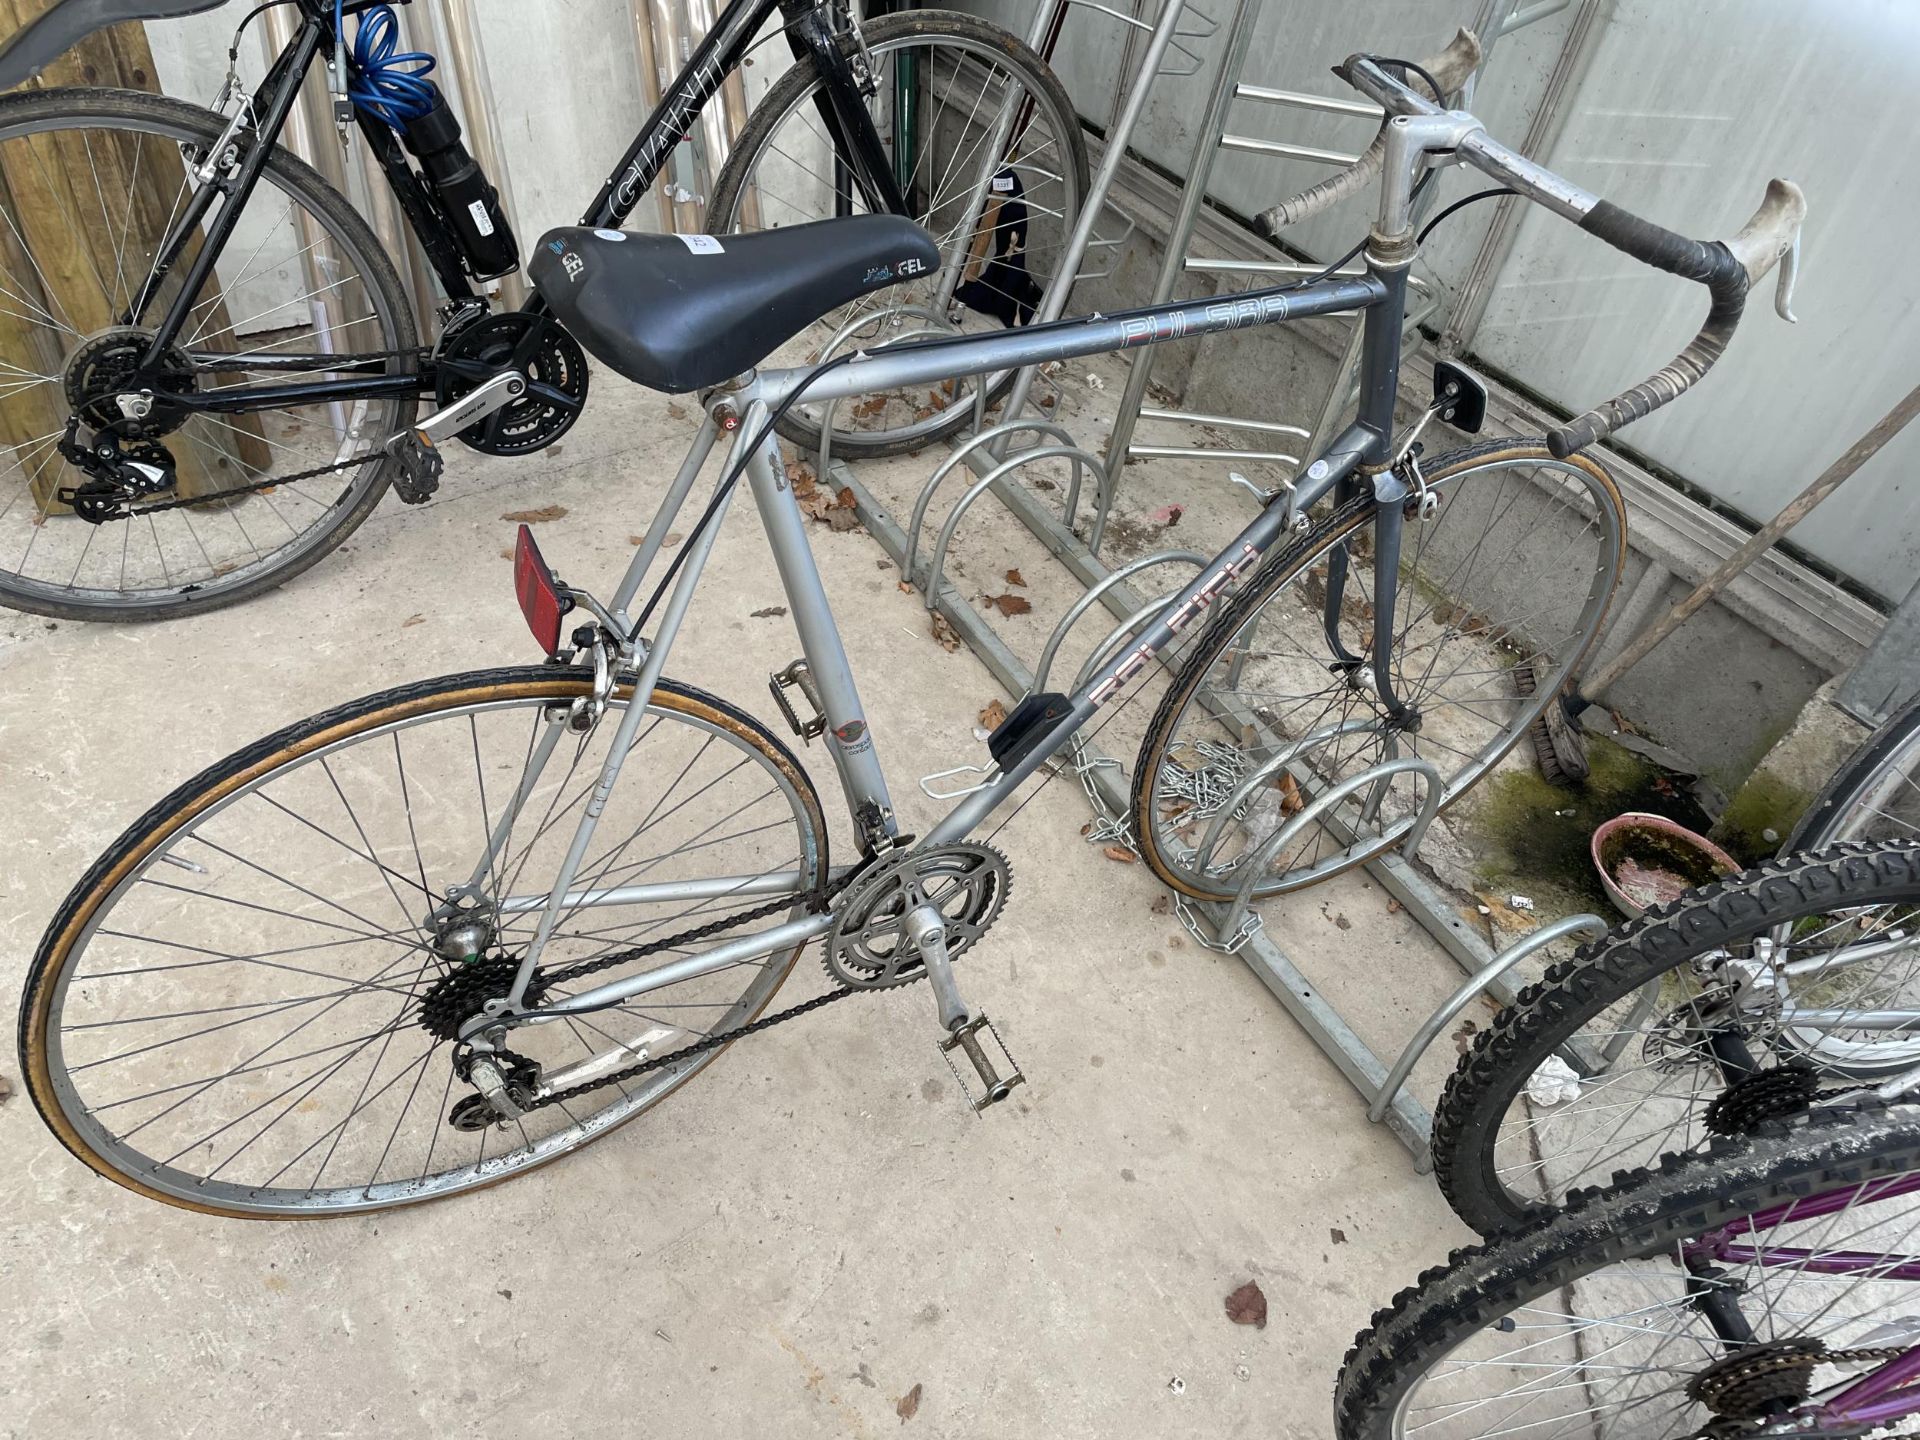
(968, 1040)
(420, 466)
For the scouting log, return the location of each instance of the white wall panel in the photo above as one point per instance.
(1685, 113)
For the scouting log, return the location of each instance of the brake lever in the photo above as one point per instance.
(1783, 286)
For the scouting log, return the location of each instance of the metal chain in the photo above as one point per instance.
(222, 495)
(710, 1042)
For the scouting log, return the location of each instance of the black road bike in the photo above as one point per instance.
(210, 370)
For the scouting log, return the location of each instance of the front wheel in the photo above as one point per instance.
(1254, 773)
(985, 147)
(244, 1007)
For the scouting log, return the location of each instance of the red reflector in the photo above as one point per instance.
(538, 592)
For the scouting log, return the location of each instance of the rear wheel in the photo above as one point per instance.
(1599, 1321)
(90, 183)
(242, 1008)
(1802, 972)
(951, 89)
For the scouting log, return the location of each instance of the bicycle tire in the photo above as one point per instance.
(374, 269)
(786, 93)
(1543, 1018)
(1282, 568)
(120, 865)
(1832, 815)
(1641, 1215)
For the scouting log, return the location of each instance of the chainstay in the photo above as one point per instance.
(724, 1037)
(687, 1052)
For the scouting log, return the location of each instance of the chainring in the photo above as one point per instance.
(966, 881)
(552, 361)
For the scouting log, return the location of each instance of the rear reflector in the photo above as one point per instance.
(541, 600)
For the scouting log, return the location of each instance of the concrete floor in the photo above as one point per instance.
(818, 1226)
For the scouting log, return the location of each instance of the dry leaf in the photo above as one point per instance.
(1394, 907)
(1009, 604)
(944, 632)
(506, 554)
(906, 587)
(1087, 829)
(1291, 800)
(841, 520)
(676, 410)
(413, 620)
(845, 498)
(1339, 1235)
(909, 1405)
(1014, 577)
(535, 517)
(799, 474)
(674, 537)
(1248, 1306)
(636, 539)
(770, 613)
(993, 715)
(1119, 854)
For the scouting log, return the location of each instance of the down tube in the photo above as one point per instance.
(1239, 559)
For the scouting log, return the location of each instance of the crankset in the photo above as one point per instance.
(532, 345)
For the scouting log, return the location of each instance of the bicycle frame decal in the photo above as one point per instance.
(1177, 620)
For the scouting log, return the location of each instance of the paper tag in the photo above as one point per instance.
(702, 244)
(482, 221)
(611, 234)
(1003, 184)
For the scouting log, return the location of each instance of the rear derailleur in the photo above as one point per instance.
(118, 473)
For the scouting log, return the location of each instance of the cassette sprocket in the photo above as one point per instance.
(868, 947)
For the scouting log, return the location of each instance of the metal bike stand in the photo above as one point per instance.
(1496, 18)
(987, 454)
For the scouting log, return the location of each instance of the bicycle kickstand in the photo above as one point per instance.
(965, 1030)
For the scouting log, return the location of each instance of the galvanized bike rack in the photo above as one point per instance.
(988, 454)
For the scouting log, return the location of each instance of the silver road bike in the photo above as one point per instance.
(444, 934)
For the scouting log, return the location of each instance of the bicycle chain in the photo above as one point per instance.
(223, 495)
(672, 942)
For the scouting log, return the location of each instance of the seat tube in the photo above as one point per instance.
(848, 738)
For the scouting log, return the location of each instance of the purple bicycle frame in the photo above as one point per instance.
(1882, 1394)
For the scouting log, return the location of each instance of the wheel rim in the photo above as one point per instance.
(1887, 807)
(291, 281)
(298, 1078)
(1271, 728)
(1631, 1082)
(791, 180)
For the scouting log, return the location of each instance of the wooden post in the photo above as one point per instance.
(82, 202)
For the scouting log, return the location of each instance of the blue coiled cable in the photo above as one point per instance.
(392, 84)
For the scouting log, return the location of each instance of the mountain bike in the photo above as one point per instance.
(1746, 1002)
(447, 933)
(212, 370)
(1756, 1289)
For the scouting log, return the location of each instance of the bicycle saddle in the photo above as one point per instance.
(51, 34)
(681, 312)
